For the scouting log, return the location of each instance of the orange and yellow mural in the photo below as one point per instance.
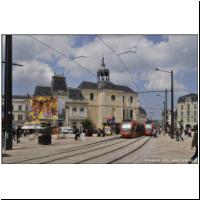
(44, 107)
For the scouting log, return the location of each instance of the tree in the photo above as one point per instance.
(87, 124)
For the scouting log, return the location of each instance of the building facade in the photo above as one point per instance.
(107, 100)
(72, 106)
(20, 110)
(187, 110)
(142, 115)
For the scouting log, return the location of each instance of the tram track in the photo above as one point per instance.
(111, 151)
(81, 153)
(66, 150)
(107, 152)
(127, 154)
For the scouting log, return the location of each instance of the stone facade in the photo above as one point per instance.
(187, 110)
(20, 110)
(108, 100)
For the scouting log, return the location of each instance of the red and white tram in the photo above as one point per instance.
(149, 126)
(131, 129)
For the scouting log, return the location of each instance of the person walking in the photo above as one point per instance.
(18, 134)
(154, 133)
(177, 134)
(14, 134)
(194, 144)
(190, 132)
(82, 135)
(180, 134)
(77, 134)
(99, 133)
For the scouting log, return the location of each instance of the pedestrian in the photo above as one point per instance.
(99, 133)
(18, 134)
(83, 134)
(159, 130)
(190, 132)
(102, 132)
(154, 133)
(77, 134)
(194, 144)
(177, 132)
(14, 134)
(180, 134)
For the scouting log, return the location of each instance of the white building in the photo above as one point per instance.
(142, 115)
(187, 110)
(20, 110)
(72, 105)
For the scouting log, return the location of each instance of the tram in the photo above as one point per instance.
(149, 126)
(131, 129)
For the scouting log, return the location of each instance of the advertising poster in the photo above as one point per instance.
(44, 108)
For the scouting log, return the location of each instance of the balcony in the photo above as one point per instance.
(77, 117)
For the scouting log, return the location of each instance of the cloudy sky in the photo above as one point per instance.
(44, 55)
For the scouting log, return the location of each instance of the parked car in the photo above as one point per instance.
(66, 129)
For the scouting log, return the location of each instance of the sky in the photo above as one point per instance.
(44, 55)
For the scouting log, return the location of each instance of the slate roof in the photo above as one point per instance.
(58, 85)
(41, 90)
(104, 85)
(75, 94)
(193, 96)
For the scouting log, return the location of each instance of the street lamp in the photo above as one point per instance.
(172, 100)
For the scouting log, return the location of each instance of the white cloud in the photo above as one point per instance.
(179, 53)
(33, 71)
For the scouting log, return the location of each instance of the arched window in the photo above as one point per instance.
(91, 96)
(113, 97)
(131, 99)
(131, 114)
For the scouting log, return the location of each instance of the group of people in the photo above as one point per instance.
(179, 132)
(156, 132)
(79, 132)
(100, 133)
(18, 133)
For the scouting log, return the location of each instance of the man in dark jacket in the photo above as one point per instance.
(194, 144)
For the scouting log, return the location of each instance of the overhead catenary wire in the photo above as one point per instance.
(124, 65)
(61, 53)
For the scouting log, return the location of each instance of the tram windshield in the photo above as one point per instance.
(148, 126)
(126, 127)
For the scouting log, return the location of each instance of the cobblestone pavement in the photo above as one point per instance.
(101, 150)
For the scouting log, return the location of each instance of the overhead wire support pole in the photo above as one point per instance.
(8, 94)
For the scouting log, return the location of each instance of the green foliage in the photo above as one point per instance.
(87, 124)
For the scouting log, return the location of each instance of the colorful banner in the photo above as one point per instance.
(44, 108)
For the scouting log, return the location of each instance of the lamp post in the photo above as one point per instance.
(172, 100)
